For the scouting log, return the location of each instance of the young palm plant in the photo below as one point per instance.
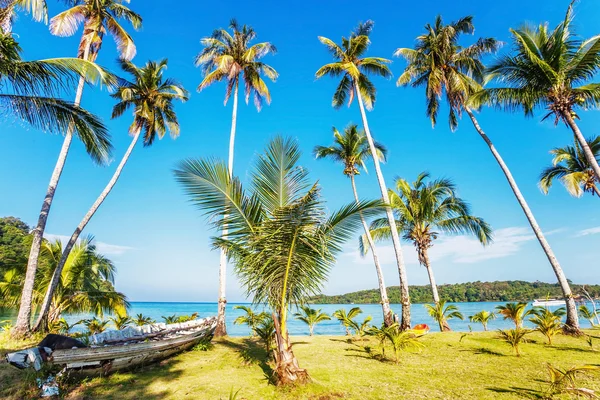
(441, 65)
(515, 312)
(98, 17)
(483, 317)
(170, 319)
(311, 317)
(265, 330)
(422, 211)
(585, 312)
(151, 98)
(95, 325)
(121, 321)
(514, 337)
(231, 58)
(351, 149)
(346, 318)
(251, 318)
(547, 322)
(141, 320)
(8, 9)
(549, 69)
(354, 68)
(441, 313)
(572, 169)
(401, 340)
(281, 240)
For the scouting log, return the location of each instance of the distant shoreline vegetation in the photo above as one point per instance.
(463, 293)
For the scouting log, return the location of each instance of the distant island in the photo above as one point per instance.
(463, 292)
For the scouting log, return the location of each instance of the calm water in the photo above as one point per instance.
(333, 327)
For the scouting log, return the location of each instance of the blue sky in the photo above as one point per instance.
(160, 243)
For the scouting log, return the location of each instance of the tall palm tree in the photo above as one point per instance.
(570, 166)
(280, 238)
(37, 8)
(425, 209)
(98, 17)
(231, 58)
(550, 70)
(151, 97)
(311, 317)
(354, 69)
(440, 64)
(351, 149)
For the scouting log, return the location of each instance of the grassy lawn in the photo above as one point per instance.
(479, 366)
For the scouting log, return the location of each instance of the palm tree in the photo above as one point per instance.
(550, 70)
(425, 209)
(440, 64)
(483, 317)
(252, 319)
(514, 337)
(151, 97)
(280, 239)
(354, 69)
(265, 330)
(442, 313)
(585, 312)
(141, 320)
(37, 8)
(570, 166)
(170, 319)
(547, 322)
(516, 312)
(98, 17)
(351, 149)
(347, 318)
(311, 317)
(401, 340)
(95, 325)
(229, 58)
(121, 321)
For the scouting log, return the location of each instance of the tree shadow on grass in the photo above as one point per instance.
(485, 350)
(521, 392)
(569, 348)
(252, 352)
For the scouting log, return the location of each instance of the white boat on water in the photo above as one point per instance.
(548, 303)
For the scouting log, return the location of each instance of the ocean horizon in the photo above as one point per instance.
(156, 310)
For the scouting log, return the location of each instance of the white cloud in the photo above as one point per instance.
(589, 231)
(458, 249)
(103, 248)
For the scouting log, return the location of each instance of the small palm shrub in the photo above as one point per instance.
(548, 323)
(95, 325)
(251, 318)
(514, 337)
(141, 320)
(170, 319)
(121, 321)
(401, 340)
(564, 381)
(311, 317)
(361, 329)
(186, 318)
(5, 325)
(265, 330)
(61, 326)
(204, 345)
(585, 312)
(442, 313)
(482, 317)
(346, 318)
(516, 312)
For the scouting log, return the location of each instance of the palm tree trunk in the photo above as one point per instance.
(584, 144)
(388, 318)
(404, 295)
(23, 325)
(434, 291)
(42, 320)
(221, 329)
(287, 369)
(6, 18)
(572, 322)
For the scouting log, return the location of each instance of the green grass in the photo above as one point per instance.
(479, 366)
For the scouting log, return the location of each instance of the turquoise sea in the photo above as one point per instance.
(333, 327)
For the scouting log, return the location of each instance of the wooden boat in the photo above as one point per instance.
(420, 329)
(112, 351)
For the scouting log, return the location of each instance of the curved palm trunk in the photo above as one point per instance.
(287, 371)
(404, 296)
(42, 318)
(388, 318)
(23, 324)
(6, 17)
(572, 322)
(589, 155)
(221, 329)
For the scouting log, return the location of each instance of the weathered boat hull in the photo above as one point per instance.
(108, 359)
